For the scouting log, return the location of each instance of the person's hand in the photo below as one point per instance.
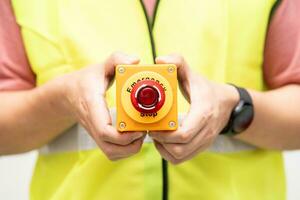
(83, 96)
(210, 108)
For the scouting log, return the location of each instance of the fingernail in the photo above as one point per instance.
(160, 58)
(133, 58)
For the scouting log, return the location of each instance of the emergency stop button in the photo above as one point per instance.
(147, 96)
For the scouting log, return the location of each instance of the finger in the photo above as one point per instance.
(183, 72)
(167, 156)
(190, 127)
(140, 142)
(118, 58)
(182, 67)
(181, 151)
(116, 152)
(110, 134)
(102, 124)
(164, 153)
(99, 116)
(194, 154)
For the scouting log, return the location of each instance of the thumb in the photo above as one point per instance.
(183, 71)
(119, 58)
(182, 67)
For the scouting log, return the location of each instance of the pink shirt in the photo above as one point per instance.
(282, 49)
(15, 73)
(281, 58)
(150, 5)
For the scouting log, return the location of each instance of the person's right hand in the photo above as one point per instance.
(83, 96)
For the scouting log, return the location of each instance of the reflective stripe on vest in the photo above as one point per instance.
(77, 139)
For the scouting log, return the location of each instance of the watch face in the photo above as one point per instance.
(243, 118)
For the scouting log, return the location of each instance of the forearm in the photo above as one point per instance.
(276, 123)
(31, 118)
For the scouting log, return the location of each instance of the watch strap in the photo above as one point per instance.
(246, 99)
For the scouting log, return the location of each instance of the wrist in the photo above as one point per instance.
(231, 96)
(241, 115)
(53, 94)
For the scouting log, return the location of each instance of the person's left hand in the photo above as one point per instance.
(210, 107)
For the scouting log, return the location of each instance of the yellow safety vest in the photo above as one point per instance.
(221, 39)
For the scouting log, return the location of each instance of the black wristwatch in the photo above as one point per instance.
(241, 116)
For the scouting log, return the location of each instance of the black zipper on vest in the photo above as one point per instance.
(150, 29)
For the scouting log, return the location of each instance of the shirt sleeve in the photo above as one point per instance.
(282, 48)
(15, 72)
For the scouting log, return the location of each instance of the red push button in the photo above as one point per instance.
(147, 96)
